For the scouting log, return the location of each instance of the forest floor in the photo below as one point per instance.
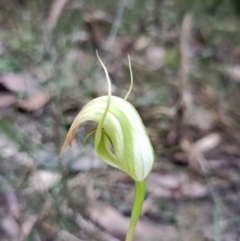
(186, 68)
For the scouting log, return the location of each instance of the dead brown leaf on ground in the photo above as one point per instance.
(7, 100)
(19, 83)
(196, 151)
(34, 102)
(175, 185)
(200, 118)
(153, 58)
(116, 224)
(142, 43)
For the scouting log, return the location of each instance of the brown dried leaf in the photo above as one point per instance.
(153, 60)
(167, 181)
(80, 37)
(142, 43)
(34, 102)
(194, 190)
(207, 142)
(196, 151)
(155, 56)
(165, 186)
(19, 83)
(7, 100)
(200, 118)
(176, 184)
(116, 224)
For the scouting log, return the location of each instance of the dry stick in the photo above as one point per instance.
(51, 22)
(186, 100)
(184, 84)
(186, 97)
(55, 12)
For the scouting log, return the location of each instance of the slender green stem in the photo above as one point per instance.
(131, 75)
(137, 208)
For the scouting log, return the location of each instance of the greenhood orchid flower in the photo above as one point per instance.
(120, 140)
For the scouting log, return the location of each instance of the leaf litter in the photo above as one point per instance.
(179, 202)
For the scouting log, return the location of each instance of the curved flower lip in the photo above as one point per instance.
(121, 139)
(132, 149)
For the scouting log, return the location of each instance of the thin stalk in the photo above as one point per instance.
(137, 208)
